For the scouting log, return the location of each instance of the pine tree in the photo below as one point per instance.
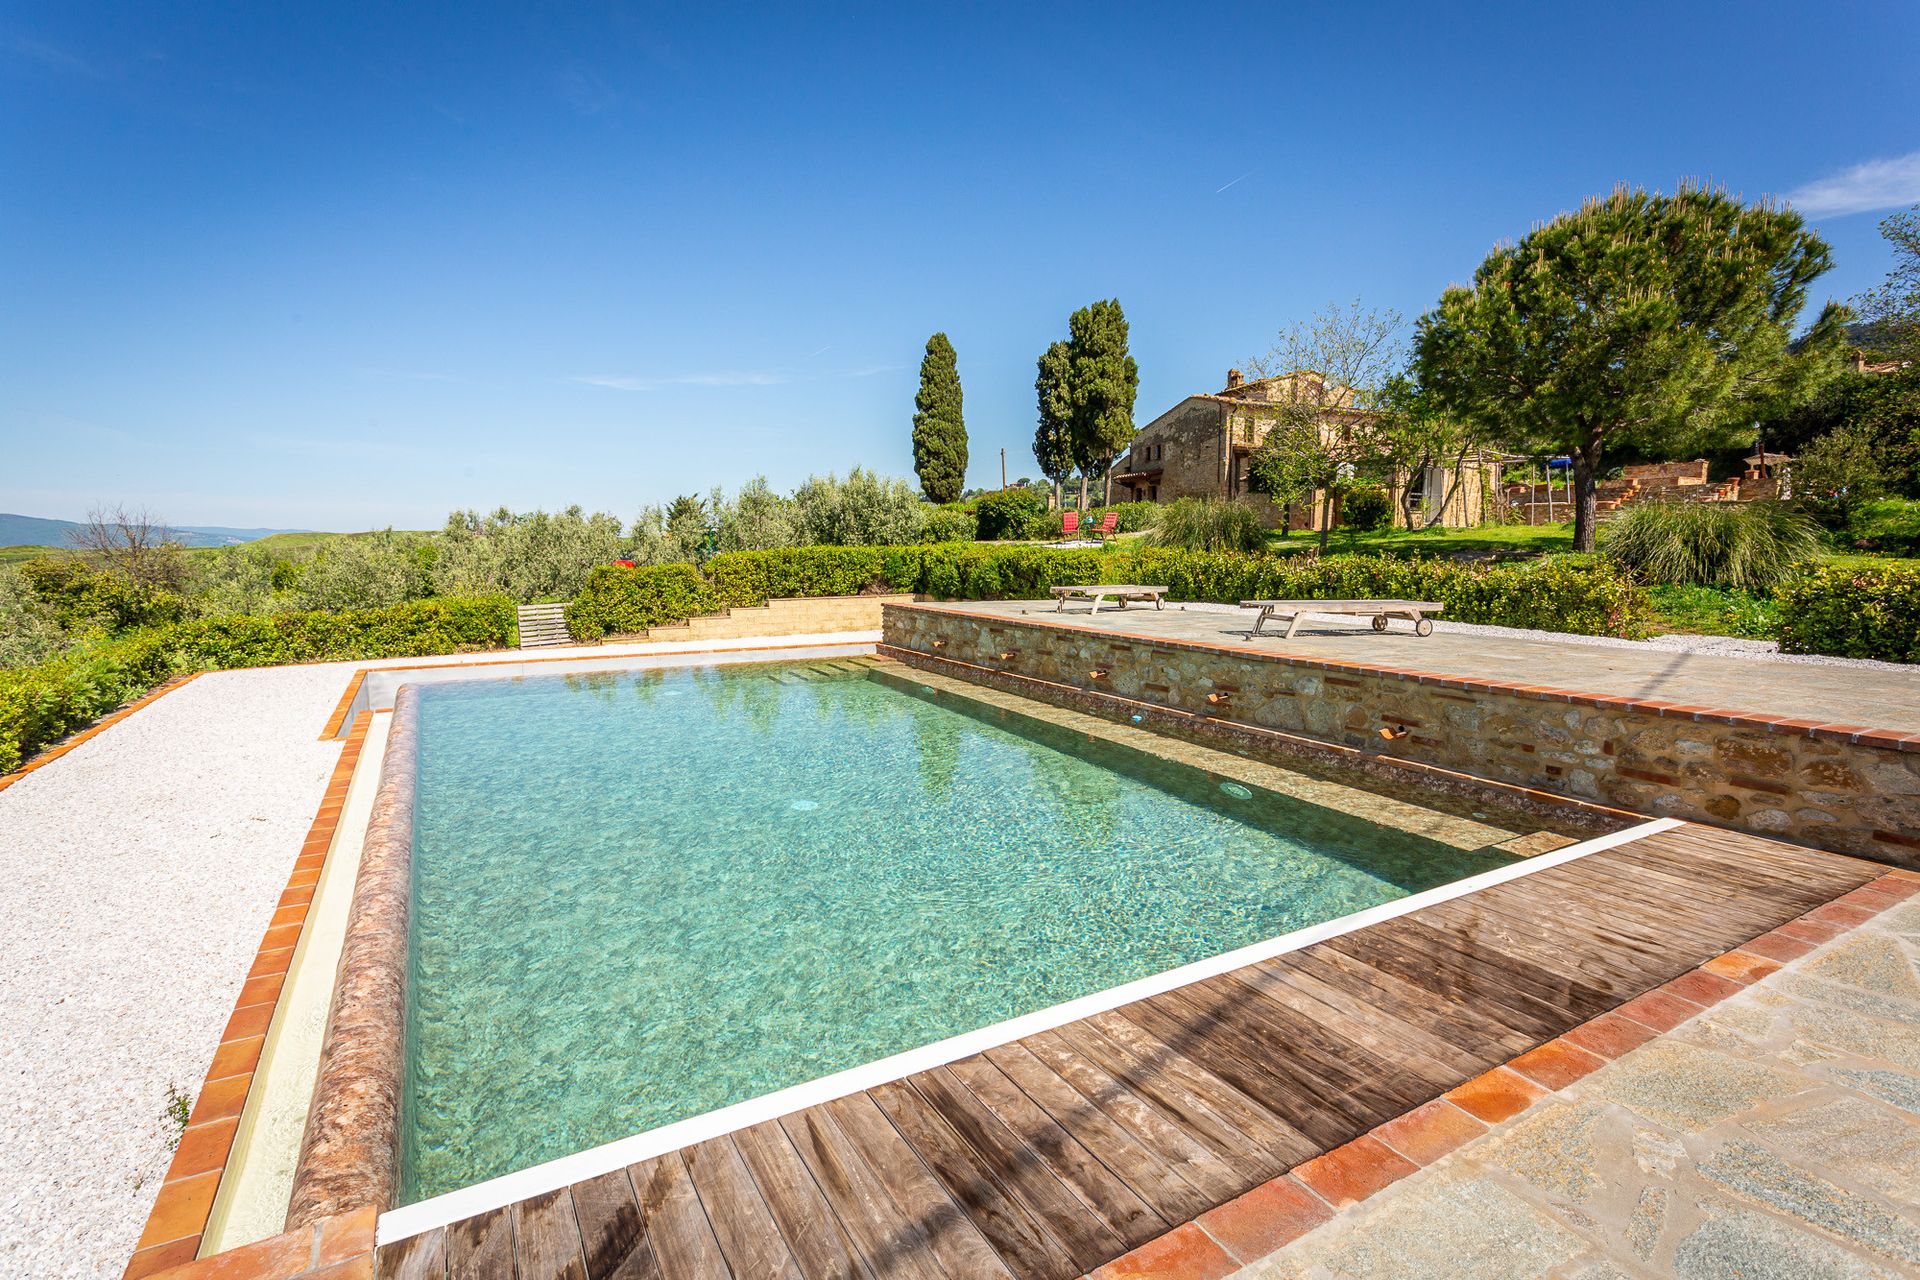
(1655, 322)
(939, 432)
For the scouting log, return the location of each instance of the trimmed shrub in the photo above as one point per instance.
(1365, 507)
(1007, 514)
(951, 523)
(1746, 546)
(416, 629)
(1866, 611)
(618, 599)
(41, 705)
(1204, 524)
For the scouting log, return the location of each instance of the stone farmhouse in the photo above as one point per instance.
(1199, 448)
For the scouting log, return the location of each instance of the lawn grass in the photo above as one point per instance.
(1710, 611)
(1518, 539)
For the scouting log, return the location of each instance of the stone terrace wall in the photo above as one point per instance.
(1845, 791)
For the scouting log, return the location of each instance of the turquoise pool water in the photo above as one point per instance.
(639, 896)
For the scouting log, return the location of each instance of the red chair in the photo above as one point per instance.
(1108, 526)
(1070, 524)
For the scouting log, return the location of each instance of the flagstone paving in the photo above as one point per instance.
(1775, 1135)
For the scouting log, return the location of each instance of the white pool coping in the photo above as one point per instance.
(552, 1175)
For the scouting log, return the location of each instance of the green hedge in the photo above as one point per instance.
(619, 598)
(1865, 611)
(412, 630)
(41, 705)
(1585, 595)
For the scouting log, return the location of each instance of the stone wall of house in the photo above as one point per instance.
(1189, 461)
(1822, 789)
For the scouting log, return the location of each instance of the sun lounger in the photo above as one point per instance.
(1379, 610)
(1123, 594)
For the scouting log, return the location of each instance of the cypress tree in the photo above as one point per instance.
(1053, 438)
(1102, 383)
(939, 432)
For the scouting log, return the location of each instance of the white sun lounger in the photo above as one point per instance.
(1380, 610)
(1123, 594)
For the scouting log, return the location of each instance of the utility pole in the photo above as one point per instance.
(1003, 468)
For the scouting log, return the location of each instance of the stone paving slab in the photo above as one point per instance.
(1775, 1135)
(1869, 694)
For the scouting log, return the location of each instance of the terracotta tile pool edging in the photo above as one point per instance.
(1859, 735)
(48, 755)
(1272, 1215)
(349, 1149)
(342, 707)
(184, 1202)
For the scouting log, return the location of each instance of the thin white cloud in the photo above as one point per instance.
(50, 56)
(1243, 177)
(1877, 184)
(684, 380)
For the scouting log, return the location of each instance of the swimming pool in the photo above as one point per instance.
(639, 896)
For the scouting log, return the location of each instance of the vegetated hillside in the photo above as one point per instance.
(36, 531)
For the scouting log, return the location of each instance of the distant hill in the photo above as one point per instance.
(38, 532)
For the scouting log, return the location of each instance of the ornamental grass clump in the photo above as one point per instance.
(1746, 546)
(1205, 524)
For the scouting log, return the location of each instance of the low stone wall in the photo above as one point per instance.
(1851, 792)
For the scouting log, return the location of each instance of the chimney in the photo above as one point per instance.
(1234, 379)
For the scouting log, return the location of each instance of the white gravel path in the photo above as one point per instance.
(137, 874)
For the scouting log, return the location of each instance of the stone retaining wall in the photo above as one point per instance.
(1849, 791)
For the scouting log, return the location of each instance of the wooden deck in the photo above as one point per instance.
(1051, 1155)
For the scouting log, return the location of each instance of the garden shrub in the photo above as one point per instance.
(950, 523)
(619, 599)
(1746, 546)
(415, 629)
(1008, 514)
(83, 598)
(1849, 611)
(1207, 524)
(41, 704)
(1365, 507)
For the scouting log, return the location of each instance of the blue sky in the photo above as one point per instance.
(360, 266)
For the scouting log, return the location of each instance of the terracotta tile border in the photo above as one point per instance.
(94, 730)
(181, 1208)
(1857, 735)
(340, 709)
(1278, 1212)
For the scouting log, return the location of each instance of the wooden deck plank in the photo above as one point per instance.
(677, 1226)
(612, 1234)
(1083, 1173)
(421, 1257)
(891, 1244)
(546, 1238)
(1044, 1158)
(1088, 1240)
(481, 1247)
(1153, 1128)
(820, 1246)
(1160, 1184)
(741, 1222)
(1020, 1237)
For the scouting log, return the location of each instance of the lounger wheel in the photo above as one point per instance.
(1379, 622)
(1423, 627)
